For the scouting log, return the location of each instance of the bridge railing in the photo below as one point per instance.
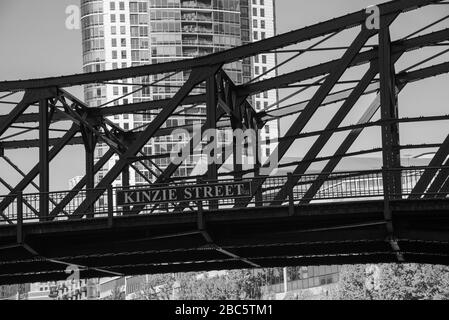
(306, 188)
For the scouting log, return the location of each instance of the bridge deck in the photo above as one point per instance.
(326, 233)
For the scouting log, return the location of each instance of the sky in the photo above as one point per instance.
(36, 43)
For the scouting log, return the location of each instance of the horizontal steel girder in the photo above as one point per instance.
(266, 45)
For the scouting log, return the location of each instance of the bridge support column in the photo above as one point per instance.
(391, 174)
(211, 125)
(258, 193)
(389, 113)
(90, 141)
(125, 185)
(44, 160)
(19, 217)
(110, 206)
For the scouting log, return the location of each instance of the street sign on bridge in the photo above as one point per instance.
(192, 192)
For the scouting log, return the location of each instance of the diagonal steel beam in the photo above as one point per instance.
(324, 68)
(227, 56)
(302, 120)
(30, 97)
(324, 137)
(25, 202)
(444, 189)
(436, 188)
(197, 76)
(263, 85)
(344, 147)
(403, 77)
(35, 171)
(19, 171)
(75, 190)
(428, 174)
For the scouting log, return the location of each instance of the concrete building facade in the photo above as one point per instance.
(120, 34)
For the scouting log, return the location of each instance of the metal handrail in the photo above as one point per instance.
(343, 185)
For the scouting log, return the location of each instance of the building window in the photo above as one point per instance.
(256, 59)
(122, 18)
(122, 30)
(267, 152)
(114, 42)
(262, 2)
(255, 36)
(267, 129)
(262, 35)
(123, 42)
(262, 24)
(256, 70)
(122, 5)
(112, 18)
(264, 59)
(126, 126)
(254, 23)
(262, 12)
(114, 54)
(115, 91)
(113, 30)
(112, 6)
(123, 54)
(133, 7)
(255, 12)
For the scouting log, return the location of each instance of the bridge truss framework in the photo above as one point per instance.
(301, 218)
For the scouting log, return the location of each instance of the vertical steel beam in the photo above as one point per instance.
(44, 160)
(211, 126)
(125, 185)
(90, 141)
(110, 206)
(392, 182)
(389, 111)
(90, 177)
(259, 196)
(20, 217)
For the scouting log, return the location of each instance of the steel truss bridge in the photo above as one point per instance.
(394, 213)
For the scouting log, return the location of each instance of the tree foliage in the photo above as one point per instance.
(157, 287)
(394, 282)
(234, 285)
(117, 294)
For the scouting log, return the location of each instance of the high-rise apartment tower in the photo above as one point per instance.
(124, 33)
